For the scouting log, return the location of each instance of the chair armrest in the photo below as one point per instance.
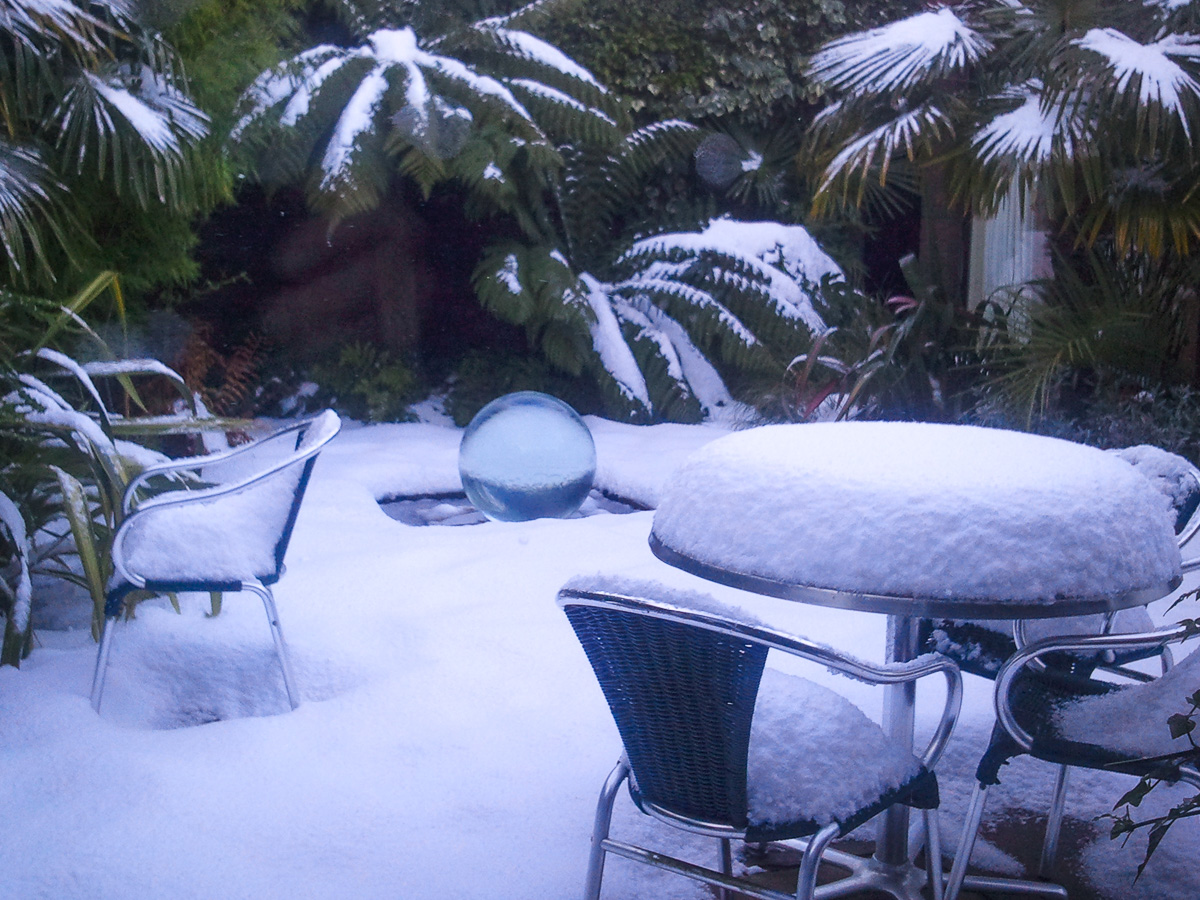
(887, 674)
(156, 505)
(1011, 669)
(193, 463)
(835, 660)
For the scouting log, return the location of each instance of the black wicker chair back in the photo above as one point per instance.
(683, 700)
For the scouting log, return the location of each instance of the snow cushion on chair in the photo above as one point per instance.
(815, 756)
(229, 538)
(225, 533)
(1133, 721)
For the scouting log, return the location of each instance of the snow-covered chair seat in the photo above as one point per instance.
(719, 746)
(224, 526)
(1069, 720)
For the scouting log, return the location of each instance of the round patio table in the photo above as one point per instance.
(916, 520)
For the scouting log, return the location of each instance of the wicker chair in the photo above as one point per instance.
(1062, 718)
(716, 749)
(224, 527)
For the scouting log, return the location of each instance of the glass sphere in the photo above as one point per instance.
(527, 456)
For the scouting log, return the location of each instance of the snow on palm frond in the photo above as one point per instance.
(389, 85)
(544, 91)
(162, 117)
(925, 125)
(295, 82)
(1160, 80)
(897, 56)
(1028, 134)
(357, 117)
(396, 93)
(675, 307)
(652, 358)
(536, 50)
(33, 21)
(614, 354)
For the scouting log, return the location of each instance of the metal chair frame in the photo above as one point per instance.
(1108, 660)
(1026, 743)
(862, 875)
(127, 580)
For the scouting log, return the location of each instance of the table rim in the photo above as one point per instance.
(915, 606)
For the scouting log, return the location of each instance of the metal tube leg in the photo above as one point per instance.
(891, 844)
(604, 809)
(967, 842)
(933, 853)
(1054, 824)
(285, 663)
(726, 866)
(806, 883)
(98, 676)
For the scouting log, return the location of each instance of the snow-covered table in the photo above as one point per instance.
(910, 520)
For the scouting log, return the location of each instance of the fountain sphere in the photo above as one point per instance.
(527, 456)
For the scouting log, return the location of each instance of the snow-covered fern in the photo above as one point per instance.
(732, 293)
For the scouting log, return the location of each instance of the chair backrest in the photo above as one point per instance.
(683, 699)
(228, 532)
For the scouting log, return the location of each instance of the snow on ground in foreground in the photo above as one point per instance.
(452, 739)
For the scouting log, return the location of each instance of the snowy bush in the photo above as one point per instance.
(734, 291)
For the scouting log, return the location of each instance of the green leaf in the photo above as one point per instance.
(79, 515)
(1135, 795)
(78, 303)
(1180, 725)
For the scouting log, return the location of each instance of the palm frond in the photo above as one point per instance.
(1146, 78)
(869, 155)
(30, 205)
(57, 21)
(900, 55)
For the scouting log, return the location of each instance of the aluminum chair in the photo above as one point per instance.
(980, 649)
(228, 533)
(1031, 700)
(683, 685)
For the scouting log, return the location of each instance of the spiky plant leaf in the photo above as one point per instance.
(79, 514)
(16, 598)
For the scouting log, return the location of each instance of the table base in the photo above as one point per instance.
(904, 881)
(988, 884)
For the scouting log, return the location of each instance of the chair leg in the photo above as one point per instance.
(806, 883)
(967, 842)
(726, 866)
(1054, 824)
(285, 663)
(604, 810)
(98, 676)
(933, 854)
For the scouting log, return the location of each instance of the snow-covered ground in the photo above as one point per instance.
(452, 737)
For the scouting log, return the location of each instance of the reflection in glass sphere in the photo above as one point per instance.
(527, 456)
